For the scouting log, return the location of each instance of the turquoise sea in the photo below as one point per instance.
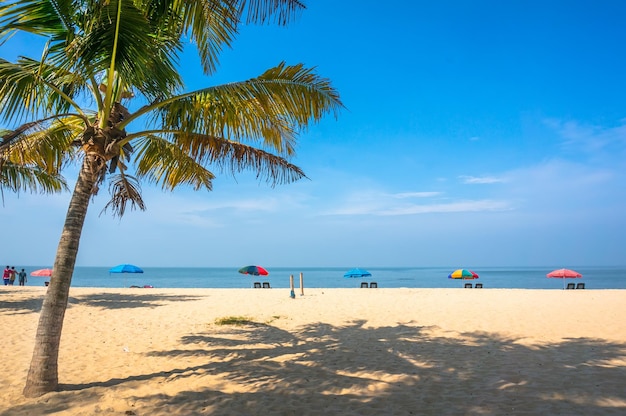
(332, 277)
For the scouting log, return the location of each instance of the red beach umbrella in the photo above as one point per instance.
(564, 274)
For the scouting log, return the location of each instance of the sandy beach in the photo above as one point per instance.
(329, 352)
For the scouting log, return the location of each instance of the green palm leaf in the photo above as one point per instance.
(29, 88)
(18, 178)
(161, 161)
(272, 108)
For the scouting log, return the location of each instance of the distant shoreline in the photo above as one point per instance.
(392, 277)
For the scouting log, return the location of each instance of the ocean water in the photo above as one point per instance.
(332, 277)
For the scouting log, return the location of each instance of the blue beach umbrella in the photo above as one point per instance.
(357, 273)
(125, 268)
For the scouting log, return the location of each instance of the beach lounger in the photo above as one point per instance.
(266, 285)
(570, 286)
(364, 284)
(468, 285)
(580, 286)
(479, 286)
(257, 285)
(374, 285)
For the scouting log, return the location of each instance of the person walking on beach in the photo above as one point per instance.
(22, 277)
(6, 276)
(13, 276)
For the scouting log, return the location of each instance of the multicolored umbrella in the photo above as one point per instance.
(357, 273)
(254, 270)
(463, 274)
(564, 274)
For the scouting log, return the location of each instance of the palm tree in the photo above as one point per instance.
(73, 104)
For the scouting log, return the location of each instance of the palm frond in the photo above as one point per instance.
(143, 59)
(212, 25)
(272, 108)
(124, 189)
(30, 88)
(160, 161)
(18, 178)
(276, 11)
(41, 17)
(198, 151)
(47, 143)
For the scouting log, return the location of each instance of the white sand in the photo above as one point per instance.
(329, 352)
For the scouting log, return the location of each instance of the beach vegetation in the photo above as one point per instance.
(235, 320)
(106, 94)
(273, 318)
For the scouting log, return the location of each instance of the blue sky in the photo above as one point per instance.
(476, 133)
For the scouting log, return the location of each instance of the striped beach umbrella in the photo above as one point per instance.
(463, 274)
(254, 270)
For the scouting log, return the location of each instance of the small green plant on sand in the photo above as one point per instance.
(274, 317)
(234, 320)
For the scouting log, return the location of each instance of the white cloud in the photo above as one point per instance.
(386, 204)
(481, 180)
(458, 206)
(403, 195)
(588, 137)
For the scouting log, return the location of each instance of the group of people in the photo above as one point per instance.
(10, 274)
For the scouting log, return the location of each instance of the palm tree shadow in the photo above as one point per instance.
(127, 301)
(23, 306)
(404, 369)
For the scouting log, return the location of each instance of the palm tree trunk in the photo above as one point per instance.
(43, 372)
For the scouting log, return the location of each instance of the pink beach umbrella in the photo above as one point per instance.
(564, 274)
(42, 273)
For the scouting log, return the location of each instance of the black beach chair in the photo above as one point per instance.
(364, 284)
(479, 286)
(373, 285)
(580, 286)
(257, 285)
(468, 285)
(266, 285)
(570, 286)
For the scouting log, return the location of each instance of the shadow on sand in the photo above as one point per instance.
(127, 301)
(97, 300)
(331, 370)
